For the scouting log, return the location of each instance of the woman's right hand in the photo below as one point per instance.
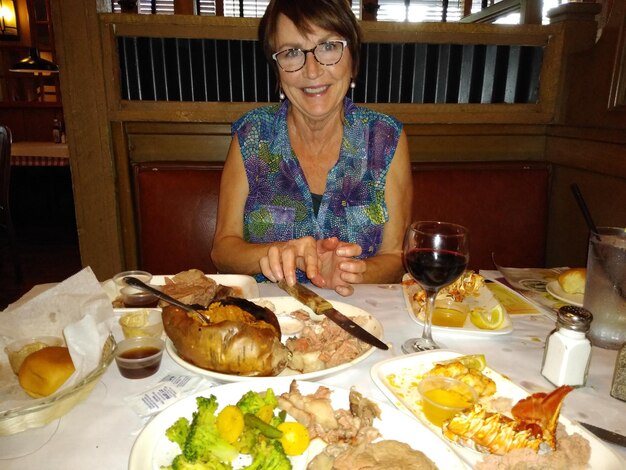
(283, 258)
(328, 263)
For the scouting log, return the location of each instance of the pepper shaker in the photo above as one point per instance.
(618, 387)
(568, 349)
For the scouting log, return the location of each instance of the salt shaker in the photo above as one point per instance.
(618, 386)
(568, 349)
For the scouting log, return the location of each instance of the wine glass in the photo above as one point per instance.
(435, 255)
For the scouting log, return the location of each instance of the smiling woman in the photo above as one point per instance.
(319, 188)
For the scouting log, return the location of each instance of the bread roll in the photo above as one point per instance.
(44, 371)
(572, 281)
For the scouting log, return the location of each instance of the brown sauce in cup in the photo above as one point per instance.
(139, 353)
(139, 371)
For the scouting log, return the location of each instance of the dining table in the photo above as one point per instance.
(99, 432)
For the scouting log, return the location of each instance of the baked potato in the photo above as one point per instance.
(241, 338)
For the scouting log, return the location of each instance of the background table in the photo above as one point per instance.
(39, 154)
(41, 195)
(100, 431)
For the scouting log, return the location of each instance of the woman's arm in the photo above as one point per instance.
(231, 254)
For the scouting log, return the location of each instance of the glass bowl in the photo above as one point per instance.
(44, 410)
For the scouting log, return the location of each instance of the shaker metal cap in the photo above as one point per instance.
(574, 318)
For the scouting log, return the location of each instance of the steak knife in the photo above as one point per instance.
(605, 434)
(321, 306)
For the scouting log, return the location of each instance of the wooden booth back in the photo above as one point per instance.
(176, 207)
(504, 205)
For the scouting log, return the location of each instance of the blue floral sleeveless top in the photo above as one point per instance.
(280, 206)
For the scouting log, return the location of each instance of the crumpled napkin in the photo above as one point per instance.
(77, 309)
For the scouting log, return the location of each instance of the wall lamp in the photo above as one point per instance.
(8, 20)
(34, 63)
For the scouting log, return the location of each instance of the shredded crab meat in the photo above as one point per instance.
(323, 345)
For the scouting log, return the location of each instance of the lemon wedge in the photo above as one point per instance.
(491, 319)
(471, 361)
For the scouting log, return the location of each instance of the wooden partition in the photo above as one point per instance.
(108, 133)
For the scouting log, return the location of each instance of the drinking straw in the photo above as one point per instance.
(584, 209)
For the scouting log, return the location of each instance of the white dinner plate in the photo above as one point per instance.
(152, 449)
(246, 284)
(283, 306)
(555, 290)
(398, 378)
(484, 299)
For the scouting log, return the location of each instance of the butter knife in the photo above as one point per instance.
(605, 434)
(321, 306)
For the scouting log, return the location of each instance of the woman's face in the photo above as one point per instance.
(315, 90)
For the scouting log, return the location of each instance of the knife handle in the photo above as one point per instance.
(303, 294)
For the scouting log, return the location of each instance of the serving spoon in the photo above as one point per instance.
(194, 308)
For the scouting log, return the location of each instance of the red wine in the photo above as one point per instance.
(434, 269)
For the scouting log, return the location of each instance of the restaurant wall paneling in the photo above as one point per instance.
(89, 131)
(587, 143)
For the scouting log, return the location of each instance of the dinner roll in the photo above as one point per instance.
(572, 280)
(44, 371)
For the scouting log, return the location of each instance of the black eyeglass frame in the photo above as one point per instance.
(344, 43)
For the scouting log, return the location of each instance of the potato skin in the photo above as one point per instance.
(228, 347)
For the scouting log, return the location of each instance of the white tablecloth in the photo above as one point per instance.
(99, 433)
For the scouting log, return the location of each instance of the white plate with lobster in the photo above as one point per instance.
(484, 299)
(153, 451)
(283, 308)
(398, 379)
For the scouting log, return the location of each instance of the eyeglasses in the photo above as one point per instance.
(326, 53)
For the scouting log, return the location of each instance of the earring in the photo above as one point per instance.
(281, 95)
(352, 85)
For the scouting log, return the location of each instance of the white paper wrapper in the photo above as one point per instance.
(77, 309)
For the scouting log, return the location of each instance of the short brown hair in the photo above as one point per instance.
(331, 15)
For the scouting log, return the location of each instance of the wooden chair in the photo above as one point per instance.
(5, 209)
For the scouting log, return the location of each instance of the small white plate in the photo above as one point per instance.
(283, 306)
(152, 450)
(555, 290)
(485, 298)
(398, 378)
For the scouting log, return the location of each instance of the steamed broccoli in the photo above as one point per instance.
(181, 463)
(178, 432)
(203, 440)
(252, 402)
(269, 455)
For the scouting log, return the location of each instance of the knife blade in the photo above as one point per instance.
(321, 306)
(605, 434)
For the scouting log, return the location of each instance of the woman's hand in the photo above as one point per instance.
(338, 268)
(329, 263)
(283, 258)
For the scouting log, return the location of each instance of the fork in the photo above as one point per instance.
(195, 308)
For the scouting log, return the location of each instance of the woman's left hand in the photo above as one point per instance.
(337, 267)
